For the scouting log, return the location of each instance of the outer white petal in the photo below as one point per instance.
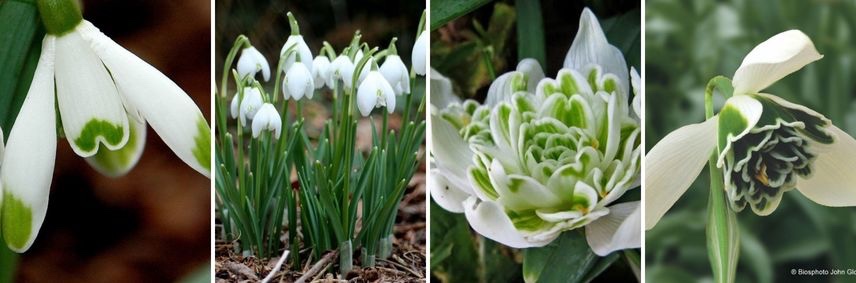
(340, 68)
(445, 193)
(618, 230)
(251, 62)
(396, 74)
(774, 59)
(115, 163)
(301, 49)
(367, 96)
(165, 106)
(299, 82)
(29, 161)
(488, 219)
(448, 148)
(267, 119)
(419, 55)
(833, 179)
(89, 104)
(636, 83)
(441, 90)
(673, 164)
(500, 89)
(591, 47)
(250, 104)
(233, 107)
(319, 70)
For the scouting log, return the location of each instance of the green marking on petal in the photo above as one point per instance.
(17, 221)
(202, 151)
(479, 175)
(527, 220)
(569, 85)
(731, 121)
(116, 161)
(87, 141)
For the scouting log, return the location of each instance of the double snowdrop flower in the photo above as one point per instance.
(543, 156)
(104, 95)
(765, 145)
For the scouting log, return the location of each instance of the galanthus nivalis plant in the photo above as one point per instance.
(759, 146)
(104, 96)
(254, 175)
(545, 156)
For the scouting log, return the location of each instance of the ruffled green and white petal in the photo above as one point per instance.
(591, 47)
(89, 104)
(164, 105)
(29, 161)
(116, 163)
(736, 118)
(524, 78)
(673, 164)
(489, 219)
(617, 230)
(772, 60)
(833, 179)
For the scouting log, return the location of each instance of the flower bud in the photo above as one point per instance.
(298, 82)
(267, 119)
(251, 62)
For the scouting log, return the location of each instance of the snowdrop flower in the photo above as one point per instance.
(320, 70)
(251, 62)
(298, 82)
(250, 104)
(395, 72)
(338, 68)
(267, 119)
(104, 95)
(348, 74)
(373, 92)
(765, 145)
(295, 41)
(546, 155)
(419, 53)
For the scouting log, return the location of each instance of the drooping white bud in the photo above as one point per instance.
(395, 72)
(300, 48)
(298, 82)
(338, 68)
(373, 92)
(250, 104)
(319, 70)
(251, 62)
(420, 51)
(267, 119)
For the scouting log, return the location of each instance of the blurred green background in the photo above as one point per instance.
(472, 41)
(690, 42)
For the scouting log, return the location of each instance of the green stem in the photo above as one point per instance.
(723, 241)
(8, 263)
(295, 28)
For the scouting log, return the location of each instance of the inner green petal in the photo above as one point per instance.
(87, 141)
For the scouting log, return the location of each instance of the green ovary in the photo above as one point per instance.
(17, 221)
(202, 150)
(111, 133)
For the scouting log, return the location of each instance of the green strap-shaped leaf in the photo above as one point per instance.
(19, 30)
(530, 31)
(444, 11)
(567, 259)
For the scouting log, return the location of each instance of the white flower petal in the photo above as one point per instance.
(441, 90)
(395, 72)
(89, 104)
(233, 107)
(250, 104)
(635, 81)
(448, 148)
(618, 230)
(528, 71)
(833, 178)
(302, 50)
(488, 219)
(444, 193)
(28, 164)
(251, 62)
(772, 60)
(115, 163)
(673, 164)
(165, 106)
(591, 47)
(320, 67)
(338, 70)
(532, 69)
(267, 119)
(367, 96)
(500, 89)
(736, 118)
(298, 82)
(419, 55)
